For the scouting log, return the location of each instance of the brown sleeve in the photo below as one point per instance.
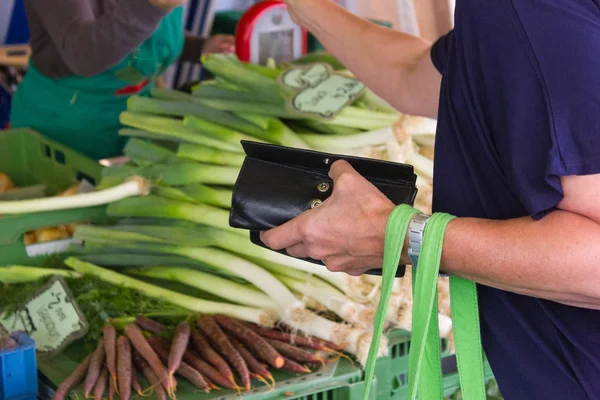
(90, 45)
(192, 48)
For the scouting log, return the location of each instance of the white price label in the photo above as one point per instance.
(51, 317)
(320, 91)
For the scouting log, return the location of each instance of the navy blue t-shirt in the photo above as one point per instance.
(519, 108)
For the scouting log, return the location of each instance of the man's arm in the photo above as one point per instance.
(395, 65)
(556, 258)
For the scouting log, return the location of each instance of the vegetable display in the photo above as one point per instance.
(187, 213)
(172, 292)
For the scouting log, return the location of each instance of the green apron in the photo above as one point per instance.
(83, 113)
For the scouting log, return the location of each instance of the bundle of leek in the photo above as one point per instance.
(184, 242)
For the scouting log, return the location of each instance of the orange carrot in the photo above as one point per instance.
(205, 349)
(294, 353)
(184, 369)
(210, 327)
(110, 347)
(124, 367)
(259, 346)
(255, 366)
(179, 345)
(101, 384)
(150, 325)
(73, 380)
(145, 369)
(94, 369)
(140, 343)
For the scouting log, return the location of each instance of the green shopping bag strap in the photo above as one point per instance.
(425, 358)
(467, 337)
(395, 232)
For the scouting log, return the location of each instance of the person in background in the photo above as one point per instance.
(89, 56)
(516, 90)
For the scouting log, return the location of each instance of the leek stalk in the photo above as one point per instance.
(224, 288)
(352, 117)
(169, 94)
(249, 314)
(148, 126)
(208, 195)
(257, 119)
(265, 88)
(210, 155)
(22, 274)
(212, 91)
(158, 207)
(144, 150)
(218, 132)
(184, 174)
(190, 108)
(135, 187)
(373, 138)
(329, 129)
(169, 192)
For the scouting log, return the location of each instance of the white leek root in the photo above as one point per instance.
(135, 187)
(331, 298)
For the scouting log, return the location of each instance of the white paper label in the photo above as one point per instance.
(320, 91)
(51, 317)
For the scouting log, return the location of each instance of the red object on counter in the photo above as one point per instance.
(247, 24)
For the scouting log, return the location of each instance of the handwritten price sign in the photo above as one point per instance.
(51, 318)
(320, 91)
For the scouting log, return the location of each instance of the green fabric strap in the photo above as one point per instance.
(467, 337)
(425, 373)
(394, 241)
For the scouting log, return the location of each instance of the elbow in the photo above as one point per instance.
(583, 293)
(591, 292)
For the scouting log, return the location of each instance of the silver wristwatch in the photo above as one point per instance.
(416, 228)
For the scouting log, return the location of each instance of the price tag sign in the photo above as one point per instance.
(319, 90)
(51, 317)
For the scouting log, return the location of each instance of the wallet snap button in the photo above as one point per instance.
(315, 203)
(327, 161)
(323, 187)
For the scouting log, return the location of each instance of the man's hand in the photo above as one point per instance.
(167, 4)
(411, 84)
(346, 232)
(219, 44)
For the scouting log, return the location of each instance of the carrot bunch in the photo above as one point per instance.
(114, 366)
(206, 357)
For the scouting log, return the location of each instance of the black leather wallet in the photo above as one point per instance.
(276, 184)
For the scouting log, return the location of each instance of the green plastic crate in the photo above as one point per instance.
(392, 371)
(30, 159)
(339, 380)
(336, 381)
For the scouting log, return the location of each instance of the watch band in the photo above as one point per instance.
(416, 228)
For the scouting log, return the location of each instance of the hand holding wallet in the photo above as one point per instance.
(276, 184)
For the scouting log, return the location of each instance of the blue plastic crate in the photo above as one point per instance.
(18, 371)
